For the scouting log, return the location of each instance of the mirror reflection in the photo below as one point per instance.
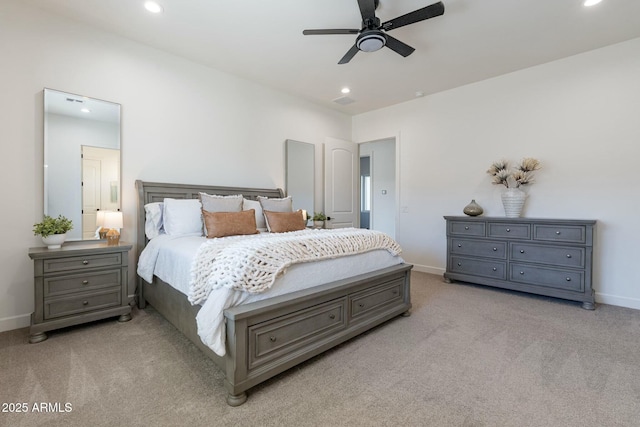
(81, 160)
(300, 161)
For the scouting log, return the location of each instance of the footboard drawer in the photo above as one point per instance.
(375, 299)
(273, 339)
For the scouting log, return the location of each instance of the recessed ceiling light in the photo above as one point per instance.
(591, 2)
(345, 90)
(419, 94)
(85, 110)
(153, 7)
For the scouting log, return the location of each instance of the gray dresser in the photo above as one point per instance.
(551, 257)
(78, 283)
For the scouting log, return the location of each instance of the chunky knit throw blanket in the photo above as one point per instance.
(252, 263)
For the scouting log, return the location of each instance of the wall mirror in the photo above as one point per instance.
(81, 160)
(300, 161)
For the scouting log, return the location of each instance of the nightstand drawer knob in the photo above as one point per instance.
(508, 230)
(361, 305)
(85, 282)
(466, 227)
(568, 255)
(459, 264)
(85, 262)
(459, 245)
(495, 249)
(85, 302)
(521, 251)
(495, 269)
(522, 272)
(557, 233)
(272, 339)
(568, 279)
(332, 316)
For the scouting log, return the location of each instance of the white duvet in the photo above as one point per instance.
(170, 258)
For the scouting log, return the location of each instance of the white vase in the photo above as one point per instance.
(513, 202)
(54, 241)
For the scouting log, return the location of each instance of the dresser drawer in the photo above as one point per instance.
(54, 265)
(376, 298)
(554, 278)
(481, 248)
(467, 228)
(560, 233)
(476, 267)
(275, 338)
(509, 231)
(555, 255)
(76, 304)
(84, 281)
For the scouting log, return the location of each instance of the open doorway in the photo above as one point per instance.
(378, 185)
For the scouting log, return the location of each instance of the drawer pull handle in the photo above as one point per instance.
(332, 316)
(521, 251)
(459, 264)
(495, 249)
(466, 227)
(361, 305)
(459, 245)
(557, 233)
(85, 302)
(522, 272)
(85, 262)
(395, 292)
(568, 255)
(495, 269)
(568, 279)
(272, 338)
(508, 230)
(85, 282)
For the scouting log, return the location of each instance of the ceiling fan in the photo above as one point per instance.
(373, 35)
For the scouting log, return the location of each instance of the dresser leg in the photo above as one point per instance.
(447, 280)
(124, 317)
(406, 314)
(37, 337)
(588, 305)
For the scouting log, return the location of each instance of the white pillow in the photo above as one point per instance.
(182, 217)
(284, 204)
(247, 204)
(153, 219)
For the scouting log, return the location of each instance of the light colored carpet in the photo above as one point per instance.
(468, 356)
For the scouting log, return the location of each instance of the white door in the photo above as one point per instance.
(341, 176)
(90, 196)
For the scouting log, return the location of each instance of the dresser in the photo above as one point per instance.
(78, 283)
(551, 257)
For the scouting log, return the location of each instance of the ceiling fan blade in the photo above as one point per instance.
(398, 46)
(367, 9)
(431, 11)
(328, 31)
(347, 57)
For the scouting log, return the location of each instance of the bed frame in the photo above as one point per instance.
(267, 337)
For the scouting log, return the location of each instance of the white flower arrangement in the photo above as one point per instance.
(521, 174)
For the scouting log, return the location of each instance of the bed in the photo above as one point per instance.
(266, 337)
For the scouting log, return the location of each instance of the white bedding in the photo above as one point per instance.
(170, 258)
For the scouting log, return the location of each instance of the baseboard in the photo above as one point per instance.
(427, 269)
(15, 322)
(618, 301)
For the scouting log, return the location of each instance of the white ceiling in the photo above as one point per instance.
(262, 40)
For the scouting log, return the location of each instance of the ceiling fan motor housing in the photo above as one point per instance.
(371, 40)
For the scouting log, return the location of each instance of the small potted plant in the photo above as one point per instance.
(318, 219)
(53, 230)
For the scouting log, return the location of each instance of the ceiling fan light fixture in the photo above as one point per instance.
(370, 41)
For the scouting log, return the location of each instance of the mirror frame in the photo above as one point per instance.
(79, 137)
(300, 174)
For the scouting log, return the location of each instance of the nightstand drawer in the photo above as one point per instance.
(509, 231)
(84, 281)
(558, 279)
(66, 306)
(467, 228)
(553, 255)
(481, 248)
(560, 233)
(54, 265)
(476, 267)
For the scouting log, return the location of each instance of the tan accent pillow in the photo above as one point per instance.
(221, 224)
(281, 222)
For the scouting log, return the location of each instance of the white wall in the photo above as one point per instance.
(578, 116)
(181, 122)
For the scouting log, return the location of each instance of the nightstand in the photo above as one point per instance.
(78, 283)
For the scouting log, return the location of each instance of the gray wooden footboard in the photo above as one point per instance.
(267, 337)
